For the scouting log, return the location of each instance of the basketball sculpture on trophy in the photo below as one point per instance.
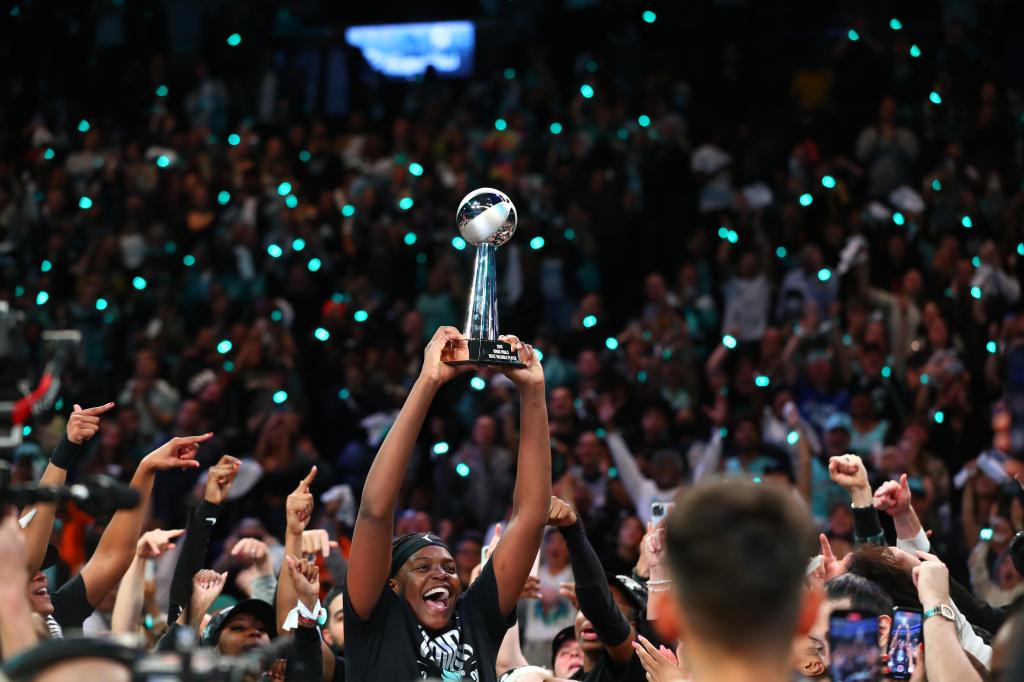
(487, 219)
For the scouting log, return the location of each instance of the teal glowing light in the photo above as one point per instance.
(622, 133)
(344, 394)
(935, 97)
(189, 260)
(500, 124)
(539, 353)
(314, 264)
(824, 275)
(49, 153)
(440, 448)
(405, 203)
(163, 161)
(793, 438)
(762, 381)
(895, 24)
(780, 252)
(939, 417)
(234, 40)
(276, 316)
(26, 431)
(321, 334)
(275, 251)
(732, 236)
(555, 128)
(587, 91)
(589, 321)
(19, 291)
(967, 222)
(477, 384)
(348, 210)
(898, 218)
(291, 201)
(415, 169)
(853, 35)
(280, 397)
(161, 91)
(223, 197)
(1020, 249)
(643, 120)
(85, 202)
(421, 258)
(83, 126)
(101, 304)
(46, 266)
(139, 282)
(806, 199)
(992, 347)
(234, 139)
(537, 243)
(360, 316)
(569, 233)
(224, 346)
(611, 343)
(915, 51)
(459, 243)
(509, 74)
(886, 372)
(828, 182)
(729, 341)
(228, 366)
(649, 17)
(409, 238)
(298, 244)
(42, 297)
(924, 378)
(976, 292)
(723, 232)
(976, 262)
(936, 185)
(462, 469)
(284, 189)
(641, 377)
(305, 156)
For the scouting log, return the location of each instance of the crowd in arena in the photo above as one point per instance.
(768, 304)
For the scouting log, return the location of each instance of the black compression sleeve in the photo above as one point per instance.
(592, 592)
(305, 663)
(867, 530)
(190, 561)
(64, 454)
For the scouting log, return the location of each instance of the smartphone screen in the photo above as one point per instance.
(903, 641)
(853, 639)
(659, 510)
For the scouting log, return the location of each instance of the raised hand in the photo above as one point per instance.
(932, 580)
(83, 424)
(305, 577)
(652, 547)
(560, 515)
(317, 541)
(530, 376)
(177, 453)
(299, 505)
(893, 497)
(568, 590)
(219, 479)
(849, 473)
(155, 542)
(206, 587)
(659, 664)
(254, 552)
(448, 343)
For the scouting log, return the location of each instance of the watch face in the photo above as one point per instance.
(947, 611)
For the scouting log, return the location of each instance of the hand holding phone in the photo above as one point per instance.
(853, 640)
(903, 642)
(660, 511)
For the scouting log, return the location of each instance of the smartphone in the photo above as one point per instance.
(903, 642)
(853, 639)
(660, 511)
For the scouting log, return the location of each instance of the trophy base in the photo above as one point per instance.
(489, 352)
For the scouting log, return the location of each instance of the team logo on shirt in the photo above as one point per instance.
(446, 657)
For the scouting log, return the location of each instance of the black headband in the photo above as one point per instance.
(407, 545)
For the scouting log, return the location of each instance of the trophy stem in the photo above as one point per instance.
(482, 316)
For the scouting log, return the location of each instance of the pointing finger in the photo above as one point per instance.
(99, 409)
(307, 481)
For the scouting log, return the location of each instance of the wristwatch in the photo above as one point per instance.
(944, 610)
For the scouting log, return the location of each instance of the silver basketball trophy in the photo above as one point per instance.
(487, 219)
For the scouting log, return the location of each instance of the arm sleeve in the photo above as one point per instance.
(264, 587)
(305, 664)
(867, 530)
(918, 543)
(64, 454)
(629, 472)
(190, 561)
(708, 461)
(592, 591)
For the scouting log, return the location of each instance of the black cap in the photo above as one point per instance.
(566, 634)
(256, 607)
(29, 664)
(634, 592)
(51, 558)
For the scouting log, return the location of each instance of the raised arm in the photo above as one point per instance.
(298, 510)
(893, 497)
(82, 425)
(944, 657)
(117, 544)
(16, 631)
(131, 592)
(513, 557)
(633, 480)
(370, 556)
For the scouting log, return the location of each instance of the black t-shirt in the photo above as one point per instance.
(71, 604)
(391, 645)
(607, 670)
